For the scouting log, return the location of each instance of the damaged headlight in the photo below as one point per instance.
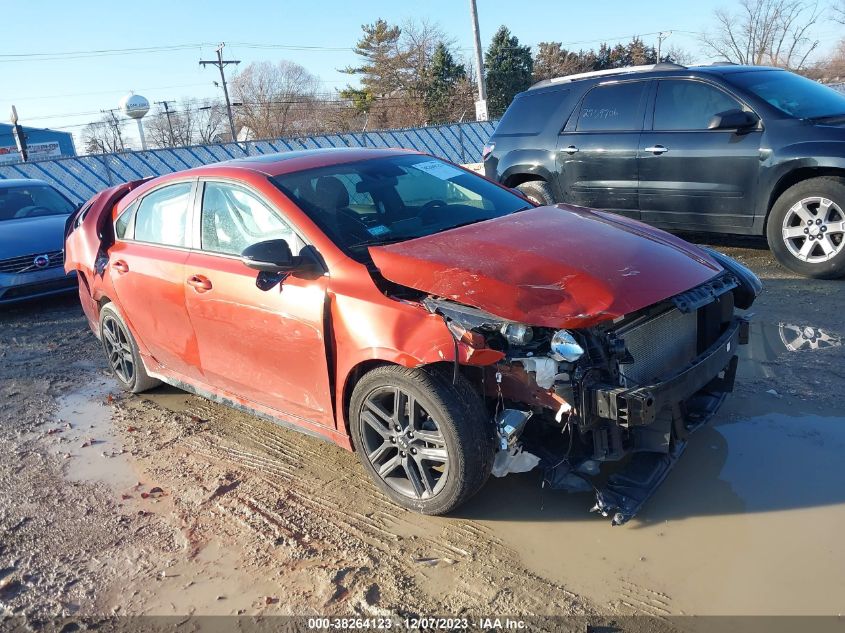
(565, 348)
(517, 333)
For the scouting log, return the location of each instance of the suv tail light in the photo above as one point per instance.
(488, 149)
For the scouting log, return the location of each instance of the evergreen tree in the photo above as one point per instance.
(383, 65)
(443, 76)
(509, 68)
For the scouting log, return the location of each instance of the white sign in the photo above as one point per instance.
(481, 110)
(35, 151)
(438, 169)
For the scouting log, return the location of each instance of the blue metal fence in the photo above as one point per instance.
(80, 177)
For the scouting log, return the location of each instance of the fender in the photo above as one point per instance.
(810, 155)
(529, 162)
(369, 326)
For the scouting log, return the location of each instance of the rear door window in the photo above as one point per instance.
(689, 105)
(162, 217)
(613, 108)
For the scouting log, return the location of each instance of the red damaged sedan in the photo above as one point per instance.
(434, 322)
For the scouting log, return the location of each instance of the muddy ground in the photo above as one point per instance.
(165, 503)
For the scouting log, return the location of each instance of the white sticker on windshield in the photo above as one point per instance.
(377, 230)
(438, 169)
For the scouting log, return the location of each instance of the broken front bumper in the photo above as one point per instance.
(670, 409)
(640, 405)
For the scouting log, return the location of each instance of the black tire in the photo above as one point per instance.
(821, 254)
(538, 191)
(127, 367)
(450, 417)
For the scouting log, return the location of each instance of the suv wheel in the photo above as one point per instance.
(806, 228)
(122, 352)
(424, 440)
(537, 191)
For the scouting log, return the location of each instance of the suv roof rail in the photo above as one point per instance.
(724, 62)
(609, 71)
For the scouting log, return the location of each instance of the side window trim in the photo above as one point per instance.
(653, 103)
(129, 211)
(571, 126)
(189, 220)
(196, 225)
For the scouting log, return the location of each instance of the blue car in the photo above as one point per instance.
(32, 225)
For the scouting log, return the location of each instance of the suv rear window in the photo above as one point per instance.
(530, 112)
(613, 107)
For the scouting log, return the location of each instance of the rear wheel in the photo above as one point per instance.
(806, 228)
(425, 441)
(537, 191)
(122, 353)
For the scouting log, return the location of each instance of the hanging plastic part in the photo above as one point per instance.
(509, 426)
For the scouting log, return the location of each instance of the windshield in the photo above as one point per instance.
(792, 94)
(392, 199)
(29, 201)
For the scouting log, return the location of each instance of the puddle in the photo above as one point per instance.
(769, 342)
(95, 450)
(749, 522)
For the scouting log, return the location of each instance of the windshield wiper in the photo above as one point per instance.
(379, 241)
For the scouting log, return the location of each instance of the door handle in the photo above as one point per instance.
(656, 149)
(570, 150)
(199, 283)
(120, 266)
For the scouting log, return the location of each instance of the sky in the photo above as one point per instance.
(55, 80)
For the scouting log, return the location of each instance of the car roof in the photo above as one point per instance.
(9, 183)
(650, 71)
(280, 163)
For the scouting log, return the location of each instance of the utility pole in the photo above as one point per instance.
(166, 106)
(662, 35)
(111, 112)
(481, 104)
(222, 63)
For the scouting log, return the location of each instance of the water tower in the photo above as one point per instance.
(135, 107)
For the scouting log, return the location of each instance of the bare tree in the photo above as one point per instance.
(192, 122)
(104, 135)
(275, 99)
(831, 69)
(839, 12)
(773, 32)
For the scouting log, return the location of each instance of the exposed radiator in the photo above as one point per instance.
(660, 347)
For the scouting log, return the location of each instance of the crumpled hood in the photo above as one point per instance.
(31, 236)
(556, 266)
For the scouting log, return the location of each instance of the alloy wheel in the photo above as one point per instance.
(403, 443)
(814, 229)
(118, 349)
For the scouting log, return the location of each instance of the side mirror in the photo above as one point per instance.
(735, 119)
(270, 256)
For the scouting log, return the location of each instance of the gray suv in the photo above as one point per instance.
(745, 150)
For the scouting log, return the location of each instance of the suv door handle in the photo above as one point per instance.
(570, 150)
(656, 149)
(120, 266)
(199, 283)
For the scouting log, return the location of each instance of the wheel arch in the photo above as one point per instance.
(356, 373)
(514, 180)
(795, 176)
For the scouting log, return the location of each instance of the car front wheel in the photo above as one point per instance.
(806, 228)
(424, 439)
(538, 192)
